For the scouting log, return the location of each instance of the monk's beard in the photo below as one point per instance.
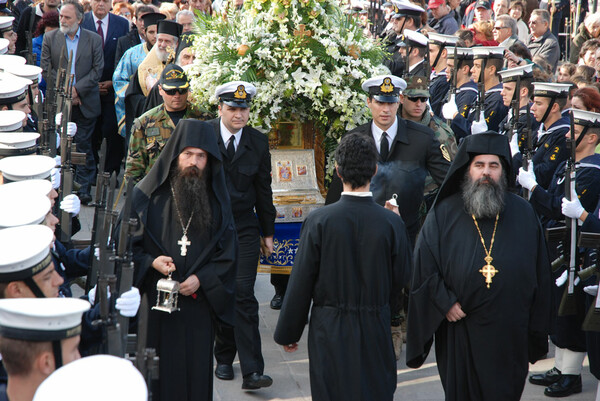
(484, 197)
(192, 196)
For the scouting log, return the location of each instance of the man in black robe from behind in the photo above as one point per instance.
(487, 327)
(354, 258)
(186, 188)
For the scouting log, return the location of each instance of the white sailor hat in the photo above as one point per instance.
(384, 88)
(8, 59)
(549, 89)
(13, 89)
(462, 53)
(22, 208)
(41, 319)
(73, 380)
(511, 74)
(405, 8)
(18, 143)
(19, 168)
(11, 120)
(439, 39)
(4, 45)
(43, 187)
(30, 72)
(236, 93)
(481, 52)
(25, 251)
(6, 24)
(586, 118)
(414, 38)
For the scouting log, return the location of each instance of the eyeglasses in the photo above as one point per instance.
(172, 92)
(416, 99)
(497, 28)
(532, 22)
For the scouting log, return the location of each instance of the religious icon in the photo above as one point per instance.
(301, 170)
(284, 170)
(297, 212)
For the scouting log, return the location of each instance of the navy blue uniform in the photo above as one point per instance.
(551, 151)
(466, 96)
(438, 90)
(506, 124)
(494, 112)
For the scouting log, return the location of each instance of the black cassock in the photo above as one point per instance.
(353, 257)
(184, 339)
(485, 355)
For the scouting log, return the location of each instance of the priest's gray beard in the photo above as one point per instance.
(190, 189)
(484, 197)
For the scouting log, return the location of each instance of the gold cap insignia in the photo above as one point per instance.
(387, 86)
(240, 93)
(174, 74)
(419, 81)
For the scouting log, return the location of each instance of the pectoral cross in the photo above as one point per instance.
(184, 244)
(488, 270)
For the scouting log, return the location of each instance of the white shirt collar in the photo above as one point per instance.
(358, 194)
(104, 22)
(412, 67)
(226, 134)
(391, 133)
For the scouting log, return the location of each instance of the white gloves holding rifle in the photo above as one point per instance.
(127, 304)
(572, 208)
(449, 110)
(71, 127)
(477, 127)
(527, 178)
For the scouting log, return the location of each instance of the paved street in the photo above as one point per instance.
(290, 371)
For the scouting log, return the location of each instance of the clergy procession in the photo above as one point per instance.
(370, 187)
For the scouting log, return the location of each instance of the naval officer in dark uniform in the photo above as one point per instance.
(247, 165)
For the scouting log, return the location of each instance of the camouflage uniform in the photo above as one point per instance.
(149, 135)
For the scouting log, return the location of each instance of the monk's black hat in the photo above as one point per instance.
(152, 19)
(170, 27)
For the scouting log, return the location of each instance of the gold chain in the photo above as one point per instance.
(488, 253)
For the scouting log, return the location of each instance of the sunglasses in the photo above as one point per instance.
(416, 99)
(172, 92)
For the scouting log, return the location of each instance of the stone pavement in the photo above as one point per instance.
(290, 371)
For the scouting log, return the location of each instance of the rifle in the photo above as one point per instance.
(66, 171)
(452, 91)
(99, 210)
(592, 318)
(527, 153)
(124, 265)
(146, 360)
(567, 304)
(480, 91)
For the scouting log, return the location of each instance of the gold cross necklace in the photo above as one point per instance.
(488, 270)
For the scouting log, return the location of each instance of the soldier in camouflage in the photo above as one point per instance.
(152, 130)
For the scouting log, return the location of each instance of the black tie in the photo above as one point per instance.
(384, 146)
(231, 147)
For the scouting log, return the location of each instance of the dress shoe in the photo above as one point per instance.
(545, 379)
(277, 301)
(565, 386)
(224, 372)
(254, 381)
(84, 198)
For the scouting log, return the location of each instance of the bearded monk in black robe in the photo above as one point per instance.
(185, 193)
(487, 327)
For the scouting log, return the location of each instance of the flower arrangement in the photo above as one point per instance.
(307, 59)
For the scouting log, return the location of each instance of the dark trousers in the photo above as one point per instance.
(280, 282)
(245, 338)
(84, 175)
(106, 128)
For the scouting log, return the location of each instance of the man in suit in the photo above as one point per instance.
(247, 164)
(110, 27)
(88, 62)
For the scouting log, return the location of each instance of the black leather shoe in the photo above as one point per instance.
(567, 385)
(84, 198)
(545, 379)
(277, 301)
(224, 372)
(254, 381)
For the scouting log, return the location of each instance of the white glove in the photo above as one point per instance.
(71, 129)
(58, 119)
(55, 178)
(71, 204)
(527, 178)
(564, 277)
(57, 140)
(514, 145)
(129, 302)
(572, 208)
(97, 253)
(591, 290)
(477, 127)
(92, 295)
(450, 109)
(57, 160)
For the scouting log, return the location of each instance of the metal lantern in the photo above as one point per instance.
(167, 296)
